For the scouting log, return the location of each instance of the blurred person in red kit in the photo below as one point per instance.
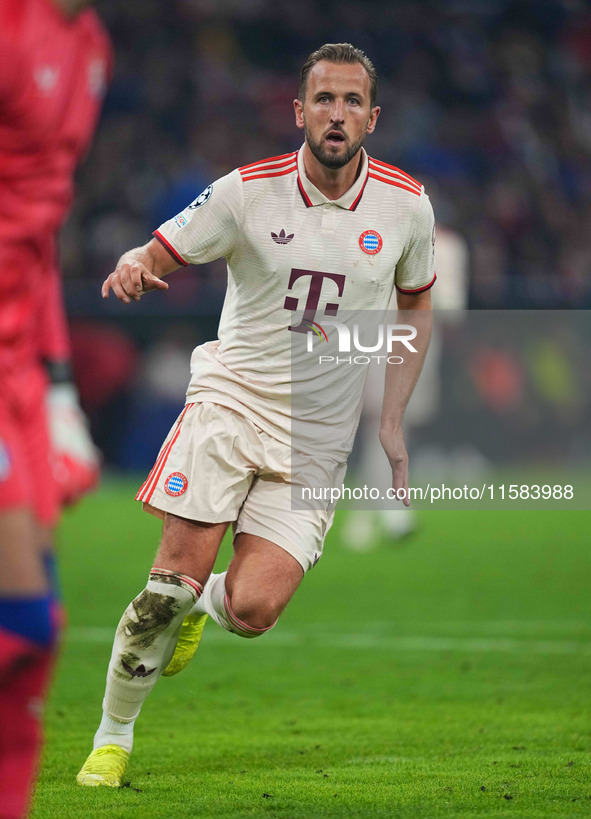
(55, 64)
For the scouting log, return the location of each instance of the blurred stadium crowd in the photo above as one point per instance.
(487, 102)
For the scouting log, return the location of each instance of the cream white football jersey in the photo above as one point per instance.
(295, 258)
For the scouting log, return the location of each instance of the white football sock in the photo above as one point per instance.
(112, 732)
(144, 644)
(212, 600)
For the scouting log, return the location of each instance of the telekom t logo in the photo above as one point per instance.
(316, 279)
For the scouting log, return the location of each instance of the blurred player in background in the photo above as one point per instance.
(54, 66)
(366, 528)
(279, 222)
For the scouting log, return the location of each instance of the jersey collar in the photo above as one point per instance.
(312, 196)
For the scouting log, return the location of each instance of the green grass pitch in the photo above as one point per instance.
(445, 676)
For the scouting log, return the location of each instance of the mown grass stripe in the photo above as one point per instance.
(372, 641)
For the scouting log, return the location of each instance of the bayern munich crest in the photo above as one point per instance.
(176, 484)
(370, 242)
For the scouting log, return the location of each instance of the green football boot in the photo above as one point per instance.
(187, 644)
(105, 766)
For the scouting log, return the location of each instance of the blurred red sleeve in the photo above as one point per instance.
(52, 335)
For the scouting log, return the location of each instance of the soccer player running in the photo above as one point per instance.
(55, 61)
(320, 230)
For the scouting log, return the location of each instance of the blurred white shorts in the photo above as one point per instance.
(216, 466)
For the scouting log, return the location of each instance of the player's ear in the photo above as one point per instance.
(298, 107)
(373, 118)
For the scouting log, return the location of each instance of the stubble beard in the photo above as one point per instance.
(330, 160)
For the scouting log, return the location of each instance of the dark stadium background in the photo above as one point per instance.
(485, 101)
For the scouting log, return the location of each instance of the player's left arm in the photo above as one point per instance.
(415, 274)
(414, 310)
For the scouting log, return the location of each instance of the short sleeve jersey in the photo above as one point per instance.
(294, 257)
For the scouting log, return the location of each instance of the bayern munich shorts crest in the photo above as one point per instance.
(176, 484)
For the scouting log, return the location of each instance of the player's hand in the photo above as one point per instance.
(74, 457)
(395, 449)
(130, 280)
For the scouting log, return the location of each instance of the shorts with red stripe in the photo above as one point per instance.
(26, 478)
(216, 466)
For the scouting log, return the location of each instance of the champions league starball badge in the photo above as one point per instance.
(202, 198)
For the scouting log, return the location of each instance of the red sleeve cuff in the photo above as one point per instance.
(419, 289)
(165, 243)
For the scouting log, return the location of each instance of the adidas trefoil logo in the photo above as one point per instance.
(282, 239)
(140, 671)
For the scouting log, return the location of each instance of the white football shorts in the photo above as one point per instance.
(216, 466)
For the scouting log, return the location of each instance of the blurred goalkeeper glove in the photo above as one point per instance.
(75, 459)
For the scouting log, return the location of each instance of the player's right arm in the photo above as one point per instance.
(207, 229)
(138, 271)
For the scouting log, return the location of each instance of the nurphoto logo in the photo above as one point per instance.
(383, 341)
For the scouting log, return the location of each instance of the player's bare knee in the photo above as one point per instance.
(258, 615)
